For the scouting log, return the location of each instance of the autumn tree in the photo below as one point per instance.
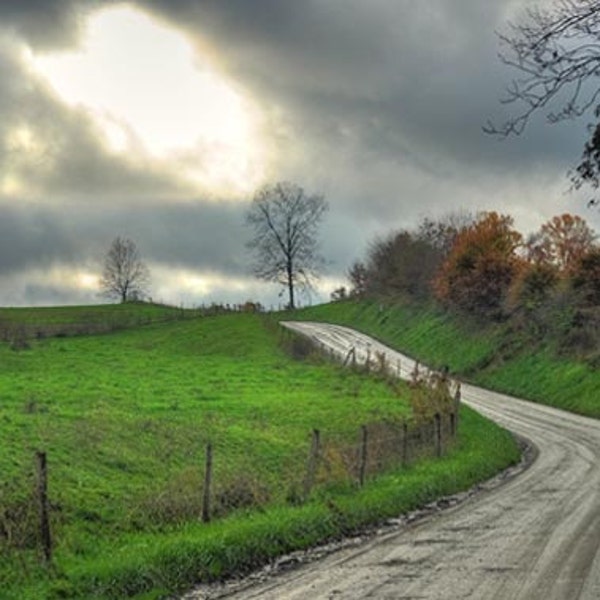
(532, 285)
(562, 242)
(285, 221)
(358, 275)
(479, 268)
(404, 262)
(556, 53)
(125, 276)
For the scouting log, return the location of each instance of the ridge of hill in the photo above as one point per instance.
(125, 418)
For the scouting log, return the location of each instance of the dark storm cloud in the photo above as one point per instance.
(406, 78)
(396, 78)
(185, 235)
(45, 23)
(32, 238)
(199, 235)
(399, 80)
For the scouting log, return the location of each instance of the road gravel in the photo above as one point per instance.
(535, 537)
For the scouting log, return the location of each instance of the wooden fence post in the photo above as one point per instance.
(363, 455)
(207, 484)
(437, 421)
(42, 493)
(404, 443)
(312, 463)
(415, 373)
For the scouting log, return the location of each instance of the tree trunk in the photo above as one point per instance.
(290, 278)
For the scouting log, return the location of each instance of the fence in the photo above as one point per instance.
(326, 459)
(330, 459)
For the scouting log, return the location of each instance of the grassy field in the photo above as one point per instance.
(487, 355)
(125, 418)
(18, 325)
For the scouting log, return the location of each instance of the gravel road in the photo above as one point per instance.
(535, 537)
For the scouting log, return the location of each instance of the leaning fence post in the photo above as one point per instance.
(42, 492)
(363, 455)
(207, 484)
(312, 462)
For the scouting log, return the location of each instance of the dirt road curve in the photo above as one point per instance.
(537, 537)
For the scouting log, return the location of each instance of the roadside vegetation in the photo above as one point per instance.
(520, 314)
(125, 419)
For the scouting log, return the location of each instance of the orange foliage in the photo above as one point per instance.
(561, 242)
(480, 266)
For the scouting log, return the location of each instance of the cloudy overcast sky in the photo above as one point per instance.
(158, 119)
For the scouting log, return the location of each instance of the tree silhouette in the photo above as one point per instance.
(556, 51)
(125, 276)
(285, 222)
(562, 242)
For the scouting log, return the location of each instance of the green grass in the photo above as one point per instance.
(125, 417)
(485, 354)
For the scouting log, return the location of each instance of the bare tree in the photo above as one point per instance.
(285, 223)
(125, 275)
(358, 274)
(557, 52)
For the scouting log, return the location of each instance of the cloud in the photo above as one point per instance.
(48, 150)
(377, 105)
(46, 23)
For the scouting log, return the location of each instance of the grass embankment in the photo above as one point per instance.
(125, 418)
(489, 355)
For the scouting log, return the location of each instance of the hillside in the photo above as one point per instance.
(493, 355)
(125, 419)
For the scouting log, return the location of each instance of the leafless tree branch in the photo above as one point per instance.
(285, 221)
(125, 276)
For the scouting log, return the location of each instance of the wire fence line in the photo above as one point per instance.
(218, 483)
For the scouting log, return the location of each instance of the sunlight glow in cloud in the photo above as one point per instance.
(152, 97)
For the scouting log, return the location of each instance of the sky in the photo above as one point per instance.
(158, 120)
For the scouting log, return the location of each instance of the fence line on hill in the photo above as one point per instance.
(330, 459)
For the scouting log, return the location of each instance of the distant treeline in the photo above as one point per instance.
(545, 285)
